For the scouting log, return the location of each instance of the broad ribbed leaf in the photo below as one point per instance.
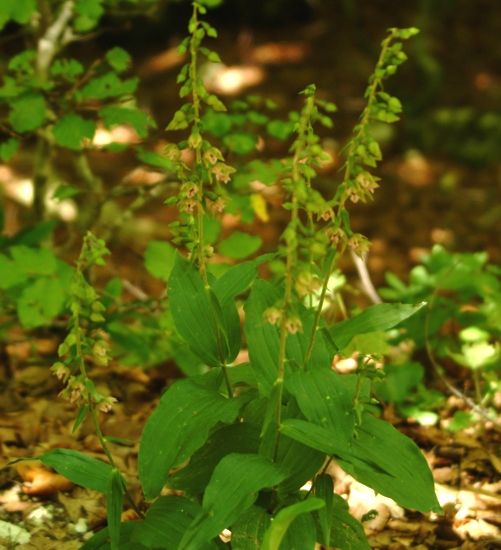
(206, 318)
(300, 534)
(323, 440)
(248, 531)
(373, 319)
(324, 489)
(100, 541)
(230, 325)
(346, 532)
(379, 457)
(79, 468)
(282, 521)
(297, 344)
(241, 437)
(238, 278)
(300, 461)
(262, 338)
(114, 507)
(166, 521)
(324, 400)
(191, 312)
(233, 488)
(242, 374)
(178, 427)
(312, 435)
(406, 476)
(235, 280)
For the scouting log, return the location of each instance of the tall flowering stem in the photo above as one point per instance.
(358, 183)
(209, 167)
(84, 340)
(298, 186)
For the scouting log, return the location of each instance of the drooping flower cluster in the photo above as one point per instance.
(85, 340)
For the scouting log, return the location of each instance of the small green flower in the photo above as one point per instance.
(222, 172)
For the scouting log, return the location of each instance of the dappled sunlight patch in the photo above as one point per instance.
(231, 80)
(117, 134)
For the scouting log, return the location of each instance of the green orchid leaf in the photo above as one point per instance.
(345, 531)
(233, 488)
(242, 437)
(114, 507)
(301, 463)
(101, 540)
(405, 476)
(192, 313)
(283, 520)
(79, 468)
(324, 400)
(248, 531)
(373, 319)
(177, 428)
(262, 338)
(324, 490)
(167, 519)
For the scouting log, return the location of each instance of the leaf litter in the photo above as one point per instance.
(55, 513)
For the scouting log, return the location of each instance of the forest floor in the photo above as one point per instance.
(53, 514)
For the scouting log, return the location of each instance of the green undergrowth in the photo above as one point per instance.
(243, 442)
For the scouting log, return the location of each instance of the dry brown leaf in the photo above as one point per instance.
(130, 515)
(46, 483)
(470, 545)
(446, 475)
(495, 461)
(404, 526)
(44, 543)
(34, 376)
(380, 540)
(465, 440)
(479, 529)
(84, 503)
(41, 480)
(475, 460)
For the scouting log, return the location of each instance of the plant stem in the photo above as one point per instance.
(56, 35)
(365, 118)
(198, 150)
(318, 314)
(81, 265)
(200, 196)
(89, 214)
(107, 452)
(324, 469)
(290, 235)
